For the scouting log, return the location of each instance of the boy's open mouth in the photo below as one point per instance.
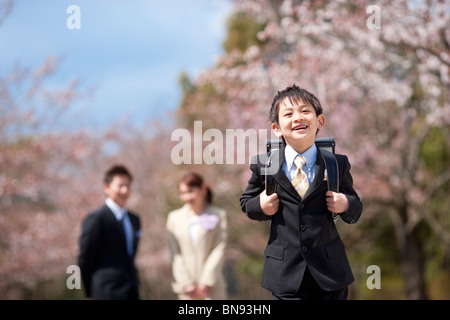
(300, 127)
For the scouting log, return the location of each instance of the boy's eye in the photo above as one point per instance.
(288, 114)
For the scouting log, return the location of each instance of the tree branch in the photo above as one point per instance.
(437, 183)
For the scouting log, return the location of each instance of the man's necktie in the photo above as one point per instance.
(300, 180)
(128, 229)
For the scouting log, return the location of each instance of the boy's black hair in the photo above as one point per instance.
(295, 95)
(116, 170)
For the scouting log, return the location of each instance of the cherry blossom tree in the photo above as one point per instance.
(37, 171)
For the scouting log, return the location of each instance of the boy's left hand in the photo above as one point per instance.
(336, 202)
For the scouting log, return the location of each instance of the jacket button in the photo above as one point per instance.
(302, 206)
(303, 228)
(304, 249)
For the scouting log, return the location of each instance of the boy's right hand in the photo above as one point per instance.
(269, 204)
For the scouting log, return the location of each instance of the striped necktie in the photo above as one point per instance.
(300, 180)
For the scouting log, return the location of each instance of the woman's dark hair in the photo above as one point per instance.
(194, 180)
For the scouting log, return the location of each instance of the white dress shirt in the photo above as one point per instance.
(310, 155)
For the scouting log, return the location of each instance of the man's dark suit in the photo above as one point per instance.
(302, 232)
(106, 269)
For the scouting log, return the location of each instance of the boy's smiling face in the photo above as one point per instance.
(298, 124)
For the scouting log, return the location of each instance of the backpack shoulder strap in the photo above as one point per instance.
(270, 183)
(332, 168)
(331, 165)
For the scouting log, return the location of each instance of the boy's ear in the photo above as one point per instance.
(276, 130)
(320, 121)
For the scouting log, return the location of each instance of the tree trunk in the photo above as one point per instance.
(412, 259)
(413, 269)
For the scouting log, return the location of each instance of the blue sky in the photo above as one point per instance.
(131, 51)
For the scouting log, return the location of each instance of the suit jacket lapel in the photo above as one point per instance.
(135, 230)
(185, 229)
(281, 177)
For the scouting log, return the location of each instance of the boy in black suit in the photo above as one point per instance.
(305, 257)
(109, 241)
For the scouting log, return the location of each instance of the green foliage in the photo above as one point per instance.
(439, 286)
(195, 104)
(435, 152)
(242, 33)
(185, 83)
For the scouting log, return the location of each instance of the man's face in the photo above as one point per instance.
(118, 190)
(298, 124)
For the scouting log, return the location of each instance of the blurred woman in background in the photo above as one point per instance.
(197, 239)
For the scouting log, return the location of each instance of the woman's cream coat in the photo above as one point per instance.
(200, 262)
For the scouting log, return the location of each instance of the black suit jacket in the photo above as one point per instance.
(302, 232)
(106, 269)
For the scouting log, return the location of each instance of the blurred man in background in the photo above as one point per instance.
(108, 243)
